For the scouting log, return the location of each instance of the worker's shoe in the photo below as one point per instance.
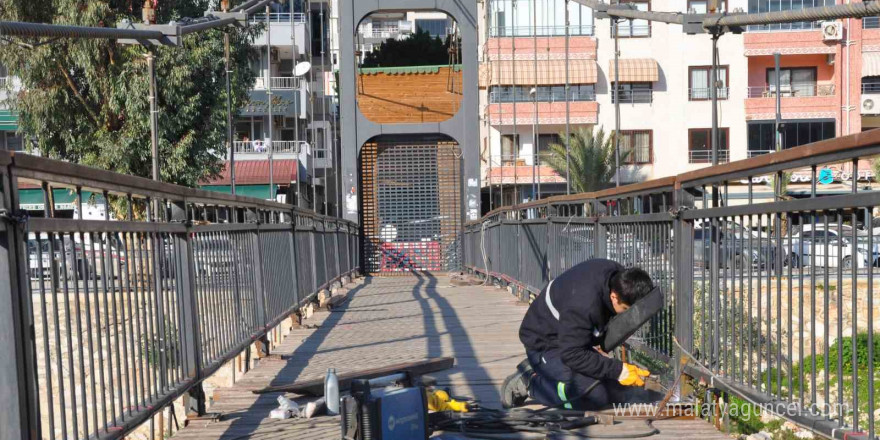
(515, 389)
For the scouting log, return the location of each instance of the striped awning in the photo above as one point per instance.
(635, 70)
(550, 72)
(870, 64)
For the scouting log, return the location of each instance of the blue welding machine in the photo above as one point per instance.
(377, 411)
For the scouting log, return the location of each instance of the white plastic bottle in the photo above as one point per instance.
(331, 392)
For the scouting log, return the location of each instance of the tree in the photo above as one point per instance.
(86, 101)
(419, 49)
(592, 159)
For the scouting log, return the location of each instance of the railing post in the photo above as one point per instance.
(683, 276)
(260, 294)
(291, 217)
(601, 234)
(19, 407)
(188, 309)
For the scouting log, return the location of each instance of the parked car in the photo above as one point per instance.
(832, 247)
(735, 248)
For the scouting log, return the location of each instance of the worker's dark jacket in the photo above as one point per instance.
(581, 308)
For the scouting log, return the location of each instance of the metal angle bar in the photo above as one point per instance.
(849, 201)
(646, 218)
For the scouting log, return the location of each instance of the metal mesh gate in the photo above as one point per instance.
(411, 211)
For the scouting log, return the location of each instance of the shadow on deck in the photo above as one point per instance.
(387, 321)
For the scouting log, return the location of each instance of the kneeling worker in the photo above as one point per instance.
(562, 331)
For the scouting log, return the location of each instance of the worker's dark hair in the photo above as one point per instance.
(631, 284)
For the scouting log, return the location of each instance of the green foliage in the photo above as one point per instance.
(419, 49)
(746, 418)
(86, 100)
(154, 348)
(591, 159)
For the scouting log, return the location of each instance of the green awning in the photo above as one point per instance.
(8, 121)
(258, 191)
(32, 199)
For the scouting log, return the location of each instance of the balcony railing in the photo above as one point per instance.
(753, 153)
(3, 81)
(871, 22)
(384, 32)
(632, 30)
(262, 147)
(633, 96)
(705, 156)
(278, 17)
(508, 97)
(702, 94)
(278, 83)
(792, 91)
(541, 31)
(799, 26)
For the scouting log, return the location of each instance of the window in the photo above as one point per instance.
(634, 28)
(636, 147)
(579, 92)
(871, 84)
(509, 18)
(702, 6)
(436, 27)
(871, 22)
(800, 81)
(633, 93)
(698, 84)
(700, 145)
(794, 133)
(509, 149)
(785, 5)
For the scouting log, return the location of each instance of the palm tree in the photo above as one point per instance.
(592, 159)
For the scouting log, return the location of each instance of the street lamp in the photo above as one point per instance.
(534, 94)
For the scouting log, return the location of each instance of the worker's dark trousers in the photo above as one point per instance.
(555, 383)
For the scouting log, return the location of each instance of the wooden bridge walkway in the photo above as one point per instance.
(387, 321)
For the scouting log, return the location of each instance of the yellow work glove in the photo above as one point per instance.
(438, 400)
(632, 375)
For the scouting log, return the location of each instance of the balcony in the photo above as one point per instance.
(284, 17)
(542, 96)
(261, 148)
(799, 101)
(633, 96)
(705, 156)
(754, 153)
(581, 112)
(702, 94)
(796, 39)
(278, 83)
(541, 31)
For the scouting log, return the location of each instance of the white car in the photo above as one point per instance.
(829, 246)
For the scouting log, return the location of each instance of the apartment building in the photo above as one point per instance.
(381, 26)
(289, 155)
(828, 74)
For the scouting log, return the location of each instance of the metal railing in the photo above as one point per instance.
(871, 22)
(541, 31)
(642, 96)
(703, 93)
(792, 91)
(262, 147)
(773, 297)
(755, 153)
(705, 156)
(628, 29)
(278, 83)
(114, 319)
(786, 27)
(278, 17)
(4, 80)
(509, 97)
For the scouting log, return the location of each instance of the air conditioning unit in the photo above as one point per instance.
(871, 104)
(832, 30)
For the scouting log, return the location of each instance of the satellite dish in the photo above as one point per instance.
(302, 68)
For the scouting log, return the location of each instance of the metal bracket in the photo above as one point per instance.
(16, 218)
(677, 211)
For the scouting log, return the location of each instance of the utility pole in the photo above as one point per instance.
(515, 102)
(778, 123)
(154, 114)
(314, 142)
(616, 95)
(567, 104)
(270, 147)
(230, 143)
(713, 97)
(536, 195)
(297, 90)
(324, 106)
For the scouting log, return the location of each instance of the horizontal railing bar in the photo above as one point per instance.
(69, 225)
(829, 203)
(225, 227)
(660, 217)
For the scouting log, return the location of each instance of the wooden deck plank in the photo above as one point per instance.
(387, 321)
